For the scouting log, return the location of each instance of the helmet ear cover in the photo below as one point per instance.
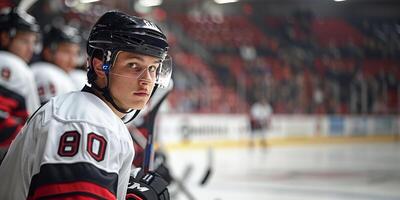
(106, 68)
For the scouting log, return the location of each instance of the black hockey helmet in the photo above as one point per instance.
(116, 31)
(54, 35)
(13, 20)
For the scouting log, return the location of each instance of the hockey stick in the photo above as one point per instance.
(24, 5)
(179, 182)
(205, 178)
(137, 137)
(209, 169)
(181, 186)
(149, 124)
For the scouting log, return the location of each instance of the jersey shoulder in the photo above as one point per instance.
(85, 107)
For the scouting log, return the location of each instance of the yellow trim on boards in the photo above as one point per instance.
(283, 141)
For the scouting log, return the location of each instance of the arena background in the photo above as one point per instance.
(329, 70)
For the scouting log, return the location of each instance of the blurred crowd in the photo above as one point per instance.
(300, 64)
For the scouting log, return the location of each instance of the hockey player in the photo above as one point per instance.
(260, 119)
(18, 33)
(60, 53)
(76, 146)
(18, 94)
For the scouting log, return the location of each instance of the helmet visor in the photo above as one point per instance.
(160, 74)
(164, 72)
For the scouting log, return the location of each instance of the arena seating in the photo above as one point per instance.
(299, 57)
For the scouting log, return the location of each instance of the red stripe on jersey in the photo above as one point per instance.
(23, 114)
(9, 102)
(75, 190)
(8, 122)
(133, 197)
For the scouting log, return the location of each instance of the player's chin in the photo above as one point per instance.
(26, 57)
(138, 104)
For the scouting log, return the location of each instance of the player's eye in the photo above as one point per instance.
(152, 68)
(132, 65)
(135, 67)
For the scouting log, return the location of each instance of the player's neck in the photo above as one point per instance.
(115, 111)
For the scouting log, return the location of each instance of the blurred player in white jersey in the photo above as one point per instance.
(260, 116)
(53, 75)
(77, 146)
(18, 96)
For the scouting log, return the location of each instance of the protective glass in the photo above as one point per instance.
(164, 73)
(159, 74)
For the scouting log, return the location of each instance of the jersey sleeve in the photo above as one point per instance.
(81, 161)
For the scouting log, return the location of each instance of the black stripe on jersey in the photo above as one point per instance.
(6, 133)
(13, 95)
(74, 172)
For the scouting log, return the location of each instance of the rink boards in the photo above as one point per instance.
(220, 130)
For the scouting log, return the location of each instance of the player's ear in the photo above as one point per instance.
(47, 54)
(97, 65)
(4, 39)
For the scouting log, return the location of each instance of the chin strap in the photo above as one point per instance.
(96, 87)
(106, 94)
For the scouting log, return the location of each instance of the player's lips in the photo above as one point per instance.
(142, 93)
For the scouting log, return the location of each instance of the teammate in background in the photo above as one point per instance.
(76, 146)
(18, 33)
(53, 75)
(260, 116)
(18, 94)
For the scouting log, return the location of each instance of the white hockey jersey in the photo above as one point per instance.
(73, 147)
(18, 96)
(16, 76)
(51, 81)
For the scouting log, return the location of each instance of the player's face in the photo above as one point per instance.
(132, 79)
(66, 56)
(23, 45)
